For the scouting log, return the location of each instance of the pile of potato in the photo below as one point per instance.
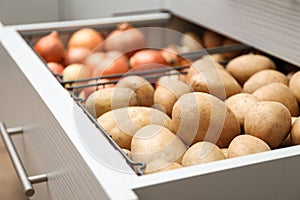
(212, 113)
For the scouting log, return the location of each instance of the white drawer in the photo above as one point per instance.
(57, 133)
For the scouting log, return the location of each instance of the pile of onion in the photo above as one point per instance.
(112, 62)
(76, 55)
(87, 38)
(147, 59)
(55, 67)
(125, 39)
(50, 47)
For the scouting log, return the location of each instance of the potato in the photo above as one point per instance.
(202, 152)
(76, 71)
(263, 78)
(128, 152)
(202, 117)
(246, 144)
(294, 85)
(280, 93)
(170, 76)
(243, 67)
(212, 39)
(288, 141)
(123, 123)
(204, 64)
(225, 152)
(167, 94)
(269, 121)
(216, 82)
(191, 40)
(240, 104)
(104, 100)
(154, 142)
(161, 166)
(295, 132)
(143, 89)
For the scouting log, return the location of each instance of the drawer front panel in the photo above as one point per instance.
(43, 147)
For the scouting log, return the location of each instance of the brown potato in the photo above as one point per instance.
(295, 132)
(212, 39)
(143, 89)
(154, 142)
(123, 123)
(246, 144)
(240, 104)
(202, 152)
(243, 67)
(167, 94)
(225, 152)
(216, 82)
(202, 117)
(191, 41)
(294, 85)
(280, 93)
(204, 64)
(269, 121)
(128, 152)
(263, 78)
(161, 166)
(107, 99)
(75, 72)
(288, 141)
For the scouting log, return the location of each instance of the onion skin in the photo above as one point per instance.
(125, 39)
(109, 63)
(50, 47)
(147, 59)
(170, 54)
(76, 55)
(87, 38)
(55, 67)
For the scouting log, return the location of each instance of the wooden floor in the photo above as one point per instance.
(10, 187)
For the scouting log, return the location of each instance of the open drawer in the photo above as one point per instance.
(60, 141)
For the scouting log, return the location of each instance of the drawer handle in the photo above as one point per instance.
(25, 180)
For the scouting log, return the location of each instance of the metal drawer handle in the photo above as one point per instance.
(25, 180)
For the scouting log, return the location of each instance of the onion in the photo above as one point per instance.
(86, 37)
(147, 59)
(76, 55)
(112, 62)
(170, 54)
(55, 67)
(125, 39)
(50, 47)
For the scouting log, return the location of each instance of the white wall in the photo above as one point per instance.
(32, 11)
(79, 9)
(28, 11)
